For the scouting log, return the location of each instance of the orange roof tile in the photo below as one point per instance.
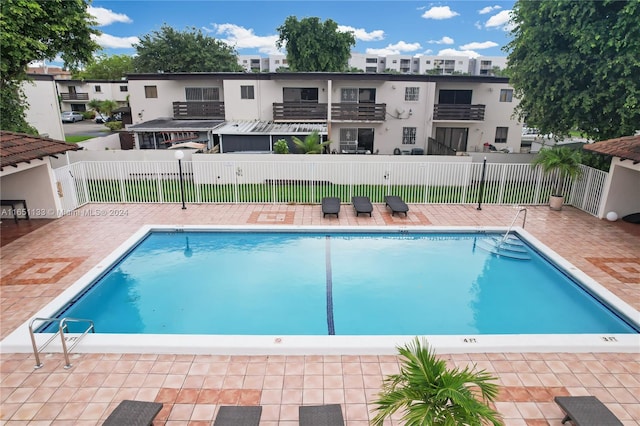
(627, 147)
(21, 148)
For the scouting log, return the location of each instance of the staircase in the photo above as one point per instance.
(510, 247)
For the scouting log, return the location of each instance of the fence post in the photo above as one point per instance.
(481, 192)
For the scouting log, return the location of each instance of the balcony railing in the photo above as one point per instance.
(194, 110)
(297, 111)
(359, 112)
(74, 96)
(458, 112)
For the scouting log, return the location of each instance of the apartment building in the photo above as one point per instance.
(360, 113)
(485, 65)
(75, 95)
(43, 111)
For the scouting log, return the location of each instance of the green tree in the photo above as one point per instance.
(168, 50)
(575, 65)
(105, 67)
(33, 30)
(431, 394)
(311, 143)
(315, 46)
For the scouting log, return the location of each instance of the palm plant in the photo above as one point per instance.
(561, 163)
(431, 394)
(311, 143)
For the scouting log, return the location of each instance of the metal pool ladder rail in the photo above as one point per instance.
(62, 327)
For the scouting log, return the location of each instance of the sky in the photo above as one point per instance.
(470, 28)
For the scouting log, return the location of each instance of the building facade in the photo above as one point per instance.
(358, 113)
(75, 95)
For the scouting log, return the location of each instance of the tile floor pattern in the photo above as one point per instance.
(191, 387)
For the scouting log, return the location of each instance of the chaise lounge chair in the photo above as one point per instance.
(362, 205)
(396, 204)
(238, 416)
(133, 413)
(321, 415)
(586, 411)
(331, 205)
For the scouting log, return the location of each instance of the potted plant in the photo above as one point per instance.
(430, 393)
(281, 147)
(561, 163)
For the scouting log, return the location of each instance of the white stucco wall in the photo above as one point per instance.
(169, 91)
(497, 114)
(43, 112)
(34, 183)
(622, 189)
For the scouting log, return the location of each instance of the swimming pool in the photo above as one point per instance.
(343, 290)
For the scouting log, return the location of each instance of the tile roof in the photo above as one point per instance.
(21, 148)
(627, 147)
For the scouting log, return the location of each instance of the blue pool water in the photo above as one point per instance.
(270, 283)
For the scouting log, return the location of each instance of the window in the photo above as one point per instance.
(501, 134)
(506, 95)
(372, 60)
(300, 94)
(354, 96)
(356, 140)
(277, 61)
(411, 93)
(150, 91)
(394, 61)
(97, 89)
(371, 69)
(124, 88)
(428, 62)
(246, 92)
(284, 62)
(202, 93)
(459, 97)
(408, 135)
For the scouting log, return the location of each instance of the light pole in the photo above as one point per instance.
(179, 155)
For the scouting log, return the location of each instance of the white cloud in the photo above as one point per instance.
(489, 9)
(107, 17)
(244, 38)
(362, 34)
(454, 52)
(439, 12)
(501, 19)
(395, 49)
(478, 25)
(113, 42)
(478, 45)
(443, 40)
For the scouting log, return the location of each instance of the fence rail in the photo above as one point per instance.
(308, 182)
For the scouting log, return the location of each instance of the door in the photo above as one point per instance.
(453, 137)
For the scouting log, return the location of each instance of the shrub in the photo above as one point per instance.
(281, 147)
(114, 125)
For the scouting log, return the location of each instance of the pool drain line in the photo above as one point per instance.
(327, 252)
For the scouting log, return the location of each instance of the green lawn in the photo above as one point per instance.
(154, 191)
(76, 139)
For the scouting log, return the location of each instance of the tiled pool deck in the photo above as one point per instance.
(38, 266)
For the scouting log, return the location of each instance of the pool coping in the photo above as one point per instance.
(19, 340)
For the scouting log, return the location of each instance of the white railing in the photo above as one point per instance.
(307, 182)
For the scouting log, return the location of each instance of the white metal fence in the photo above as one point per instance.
(307, 182)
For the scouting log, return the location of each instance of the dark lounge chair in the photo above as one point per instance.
(586, 411)
(396, 204)
(331, 205)
(238, 416)
(133, 413)
(362, 205)
(321, 415)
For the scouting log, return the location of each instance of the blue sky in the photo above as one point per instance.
(470, 28)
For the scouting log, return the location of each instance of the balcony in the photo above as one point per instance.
(296, 111)
(194, 110)
(453, 112)
(74, 96)
(358, 112)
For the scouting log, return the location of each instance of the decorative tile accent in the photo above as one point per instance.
(42, 271)
(272, 218)
(624, 269)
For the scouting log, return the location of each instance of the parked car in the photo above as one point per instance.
(102, 118)
(71, 117)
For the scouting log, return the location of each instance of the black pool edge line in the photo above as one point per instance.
(330, 324)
